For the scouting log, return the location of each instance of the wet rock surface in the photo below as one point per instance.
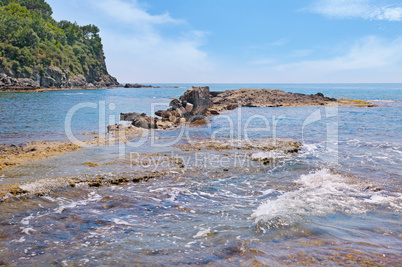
(229, 100)
(266, 144)
(13, 155)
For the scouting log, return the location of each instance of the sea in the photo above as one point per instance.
(337, 202)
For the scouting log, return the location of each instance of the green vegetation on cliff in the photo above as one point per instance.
(31, 41)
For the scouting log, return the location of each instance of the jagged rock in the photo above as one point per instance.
(214, 94)
(139, 120)
(53, 77)
(77, 81)
(231, 106)
(200, 98)
(175, 104)
(213, 112)
(129, 116)
(145, 122)
(136, 85)
(160, 113)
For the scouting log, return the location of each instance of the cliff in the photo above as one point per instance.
(36, 51)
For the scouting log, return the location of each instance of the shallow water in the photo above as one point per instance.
(336, 202)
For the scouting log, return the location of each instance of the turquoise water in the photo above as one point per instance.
(337, 202)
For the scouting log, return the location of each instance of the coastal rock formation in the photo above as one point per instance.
(198, 102)
(37, 51)
(54, 77)
(139, 120)
(191, 107)
(199, 98)
(136, 85)
(229, 100)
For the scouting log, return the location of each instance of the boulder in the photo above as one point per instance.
(231, 106)
(145, 122)
(213, 112)
(129, 116)
(175, 104)
(189, 107)
(200, 98)
(163, 113)
(173, 119)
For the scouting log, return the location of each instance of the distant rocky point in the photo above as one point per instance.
(54, 77)
(136, 85)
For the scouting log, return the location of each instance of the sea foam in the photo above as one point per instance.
(324, 192)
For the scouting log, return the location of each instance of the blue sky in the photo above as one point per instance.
(238, 41)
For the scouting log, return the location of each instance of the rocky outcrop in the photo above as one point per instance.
(200, 99)
(139, 120)
(136, 85)
(229, 100)
(198, 102)
(191, 107)
(53, 77)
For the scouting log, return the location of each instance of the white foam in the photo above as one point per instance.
(385, 101)
(261, 155)
(320, 193)
(268, 155)
(121, 222)
(27, 230)
(92, 197)
(267, 192)
(203, 233)
(310, 147)
(21, 240)
(26, 220)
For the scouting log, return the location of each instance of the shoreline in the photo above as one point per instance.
(44, 89)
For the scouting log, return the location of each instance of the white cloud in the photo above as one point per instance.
(155, 59)
(144, 47)
(370, 59)
(130, 12)
(366, 9)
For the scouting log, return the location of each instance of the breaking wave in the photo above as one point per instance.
(324, 192)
